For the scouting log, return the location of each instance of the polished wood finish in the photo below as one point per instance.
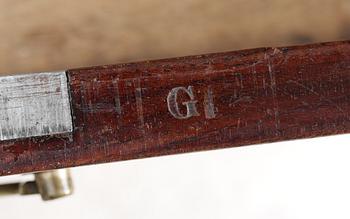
(170, 106)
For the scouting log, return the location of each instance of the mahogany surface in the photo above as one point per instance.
(170, 106)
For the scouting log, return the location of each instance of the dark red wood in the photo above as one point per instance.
(128, 111)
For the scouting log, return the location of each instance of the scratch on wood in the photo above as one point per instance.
(117, 98)
(273, 90)
(82, 97)
(139, 107)
(318, 94)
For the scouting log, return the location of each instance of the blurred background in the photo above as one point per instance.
(296, 179)
(40, 35)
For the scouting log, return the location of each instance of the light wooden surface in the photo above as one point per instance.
(40, 35)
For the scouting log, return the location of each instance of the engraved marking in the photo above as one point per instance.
(34, 105)
(117, 98)
(209, 108)
(239, 95)
(173, 106)
(139, 108)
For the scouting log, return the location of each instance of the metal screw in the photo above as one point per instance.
(50, 185)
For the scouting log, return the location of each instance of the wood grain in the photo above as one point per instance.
(204, 102)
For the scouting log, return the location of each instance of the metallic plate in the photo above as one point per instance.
(34, 105)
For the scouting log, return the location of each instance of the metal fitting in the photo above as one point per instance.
(50, 185)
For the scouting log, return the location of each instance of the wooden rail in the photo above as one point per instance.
(195, 103)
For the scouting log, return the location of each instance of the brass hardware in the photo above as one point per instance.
(54, 184)
(50, 185)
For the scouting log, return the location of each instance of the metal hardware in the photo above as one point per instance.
(34, 104)
(50, 185)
